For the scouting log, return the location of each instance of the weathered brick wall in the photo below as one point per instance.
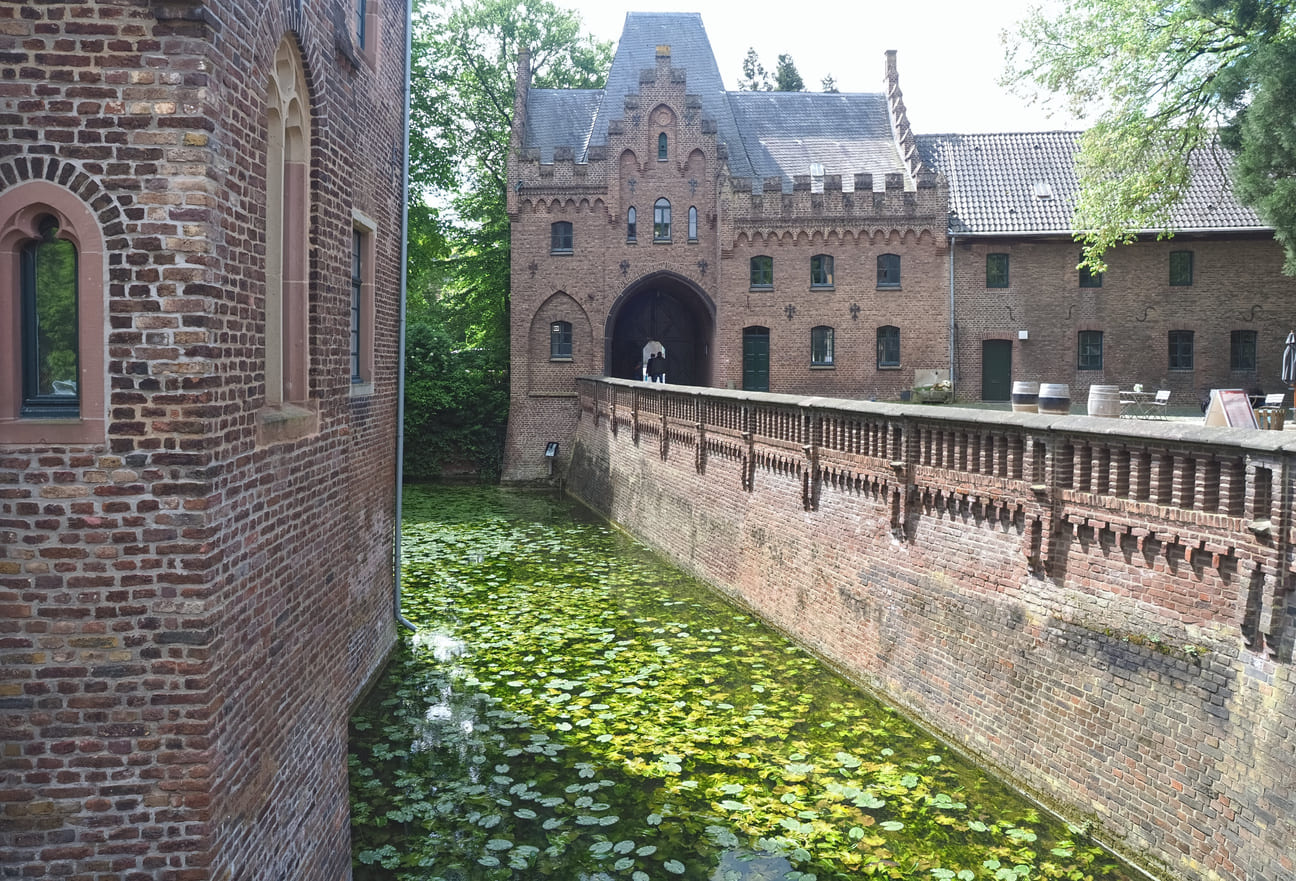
(1100, 611)
(1237, 285)
(189, 613)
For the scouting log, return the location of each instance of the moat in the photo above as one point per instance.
(573, 707)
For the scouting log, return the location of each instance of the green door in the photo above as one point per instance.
(996, 370)
(755, 359)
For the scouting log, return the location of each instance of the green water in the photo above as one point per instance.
(575, 708)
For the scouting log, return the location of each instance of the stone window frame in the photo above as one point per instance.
(888, 271)
(1089, 350)
(761, 266)
(997, 270)
(289, 412)
(561, 237)
(823, 339)
(364, 231)
(21, 211)
(821, 272)
(1242, 351)
(888, 347)
(1180, 344)
(366, 30)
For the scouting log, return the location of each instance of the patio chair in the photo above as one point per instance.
(1157, 406)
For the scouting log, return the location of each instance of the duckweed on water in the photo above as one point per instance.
(574, 708)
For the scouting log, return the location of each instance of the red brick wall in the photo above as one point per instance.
(1103, 618)
(189, 613)
(1237, 285)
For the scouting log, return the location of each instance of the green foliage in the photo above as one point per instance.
(786, 77)
(463, 77)
(829, 84)
(1162, 78)
(574, 708)
(456, 405)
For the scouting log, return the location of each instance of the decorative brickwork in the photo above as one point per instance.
(1102, 611)
(195, 585)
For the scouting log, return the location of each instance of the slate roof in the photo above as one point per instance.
(1025, 183)
(767, 134)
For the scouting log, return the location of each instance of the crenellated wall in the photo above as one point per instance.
(1098, 609)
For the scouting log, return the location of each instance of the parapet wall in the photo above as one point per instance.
(1098, 609)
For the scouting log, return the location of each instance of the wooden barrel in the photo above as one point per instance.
(1025, 397)
(1054, 398)
(1104, 400)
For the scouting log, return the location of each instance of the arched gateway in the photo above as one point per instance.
(671, 310)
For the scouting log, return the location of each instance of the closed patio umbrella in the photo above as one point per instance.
(1289, 360)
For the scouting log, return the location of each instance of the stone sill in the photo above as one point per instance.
(281, 423)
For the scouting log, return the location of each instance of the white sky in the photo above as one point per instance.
(949, 52)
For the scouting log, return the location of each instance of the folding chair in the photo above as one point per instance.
(1157, 406)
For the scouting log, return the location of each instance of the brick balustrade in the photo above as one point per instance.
(1099, 609)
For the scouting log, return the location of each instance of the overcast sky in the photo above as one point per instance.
(949, 51)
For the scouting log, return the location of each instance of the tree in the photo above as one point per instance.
(463, 75)
(754, 78)
(1167, 78)
(786, 78)
(829, 84)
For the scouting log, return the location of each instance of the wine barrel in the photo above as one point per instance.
(1025, 397)
(1054, 398)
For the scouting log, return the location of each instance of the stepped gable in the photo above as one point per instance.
(1025, 183)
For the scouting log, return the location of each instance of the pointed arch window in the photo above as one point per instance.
(287, 224)
(692, 224)
(662, 147)
(632, 225)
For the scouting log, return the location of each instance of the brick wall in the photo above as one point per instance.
(1237, 285)
(191, 602)
(1100, 612)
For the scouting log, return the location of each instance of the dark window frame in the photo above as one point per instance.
(560, 341)
(357, 301)
(1180, 350)
(663, 147)
(1242, 351)
(1089, 350)
(823, 345)
(761, 266)
(888, 271)
(35, 402)
(821, 272)
(561, 237)
(997, 270)
(1181, 269)
(632, 225)
(888, 346)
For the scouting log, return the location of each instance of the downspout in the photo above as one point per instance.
(953, 326)
(400, 363)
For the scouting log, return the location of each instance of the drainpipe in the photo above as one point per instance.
(953, 325)
(400, 362)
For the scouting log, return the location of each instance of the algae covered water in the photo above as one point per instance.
(575, 708)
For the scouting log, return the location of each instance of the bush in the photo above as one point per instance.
(456, 406)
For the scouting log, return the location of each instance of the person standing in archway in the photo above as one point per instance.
(657, 367)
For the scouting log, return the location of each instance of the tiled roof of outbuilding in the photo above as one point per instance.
(1025, 183)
